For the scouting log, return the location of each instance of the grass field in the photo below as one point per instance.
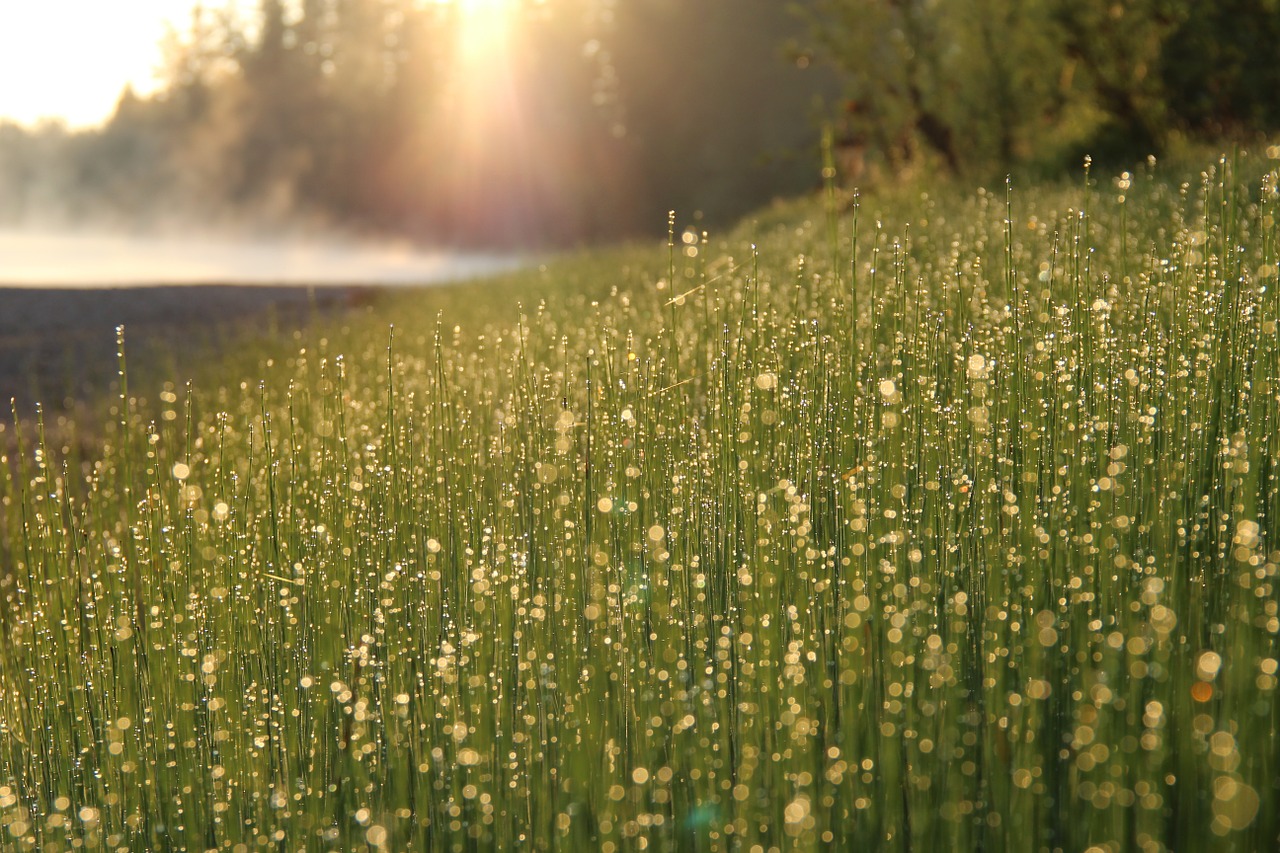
(930, 521)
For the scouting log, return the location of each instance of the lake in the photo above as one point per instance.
(63, 295)
(45, 259)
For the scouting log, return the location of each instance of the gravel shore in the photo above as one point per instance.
(59, 344)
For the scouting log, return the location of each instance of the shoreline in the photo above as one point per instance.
(58, 344)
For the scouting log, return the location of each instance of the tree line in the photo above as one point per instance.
(593, 118)
(587, 120)
(978, 85)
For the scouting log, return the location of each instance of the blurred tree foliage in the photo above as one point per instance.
(980, 84)
(582, 120)
(716, 116)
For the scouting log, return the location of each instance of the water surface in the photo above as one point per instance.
(63, 295)
(49, 259)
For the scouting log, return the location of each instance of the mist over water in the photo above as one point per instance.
(89, 260)
(63, 294)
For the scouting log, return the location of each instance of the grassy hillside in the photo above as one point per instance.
(933, 521)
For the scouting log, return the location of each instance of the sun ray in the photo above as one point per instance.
(487, 136)
(481, 7)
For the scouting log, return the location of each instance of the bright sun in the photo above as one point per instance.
(487, 7)
(484, 24)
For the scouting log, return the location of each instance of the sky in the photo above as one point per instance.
(70, 59)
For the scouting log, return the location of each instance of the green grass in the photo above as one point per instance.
(957, 532)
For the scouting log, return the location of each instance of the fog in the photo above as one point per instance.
(92, 260)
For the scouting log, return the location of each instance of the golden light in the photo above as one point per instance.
(507, 147)
(482, 29)
(481, 7)
(486, 121)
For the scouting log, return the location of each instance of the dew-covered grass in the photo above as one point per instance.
(958, 531)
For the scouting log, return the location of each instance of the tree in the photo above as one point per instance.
(980, 84)
(720, 118)
(590, 122)
(958, 82)
(1118, 49)
(1219, 66)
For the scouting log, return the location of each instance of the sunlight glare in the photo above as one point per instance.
(480, 7)
(70, 60)
(482, 101)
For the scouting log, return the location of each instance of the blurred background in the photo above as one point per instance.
(493, 123)
(392, 142)
(516, 124)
